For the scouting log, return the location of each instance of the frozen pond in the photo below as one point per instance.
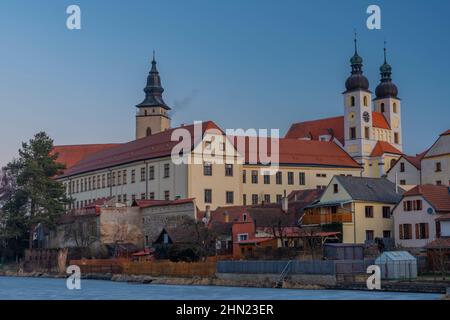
(51, 289)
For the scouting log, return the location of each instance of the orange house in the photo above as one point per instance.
(244, 237)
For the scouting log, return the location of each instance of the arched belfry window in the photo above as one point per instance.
(395, 107)
(365, 101)
(382, 107)
(145, 112)
(352, 101)
(149, 131)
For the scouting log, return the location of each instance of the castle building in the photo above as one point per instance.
(370, 130)
(144, 169)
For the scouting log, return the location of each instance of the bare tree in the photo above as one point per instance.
(82, 231)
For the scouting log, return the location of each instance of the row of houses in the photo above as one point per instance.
(351, 210)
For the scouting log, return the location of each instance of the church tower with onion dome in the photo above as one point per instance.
(358, 112)
(388, 103)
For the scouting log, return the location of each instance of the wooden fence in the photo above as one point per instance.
(171, 269)
(152, 268)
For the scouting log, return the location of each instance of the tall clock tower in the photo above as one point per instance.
(388, 103)
(152, 115)
(358, 130)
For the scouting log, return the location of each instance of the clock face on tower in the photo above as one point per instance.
(366, 116)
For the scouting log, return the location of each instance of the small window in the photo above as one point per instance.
(367, 133)
(352, 101)
(143, 174)
(290, 178)
(402, 182)
(439, 183)
(267, 198)
(369, 211)
(394, 107)
(254, 176)
(244, 176)
(438, 167)
(396, 138)
(208, 195)
(207, 169)
(279, 177)
(382, 109)
(151, 196)
(266, 178)
(335, 188)
(167, 195)
(254, 199)
(279, 198)
(369, 235)
(242, 237)
(301, 178)
(386, 234)
(151, 173)
(229, 197)
(166, 170)
(402, 167)
(366, 101)
(148, 132)
(352, 133)
(386, 212)
(228, 170)
(142, 196)
(244, 199)
(133, 176)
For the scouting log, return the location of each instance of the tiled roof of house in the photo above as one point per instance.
(70, 155)
(316, 128)
(383, 147)
(437, 196)
(151, 147)
(370, 189)
(294, 151)
(379, 121)
(308, 195)
(329, 126)
(158, 203)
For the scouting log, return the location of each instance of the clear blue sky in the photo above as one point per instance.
(243, 64)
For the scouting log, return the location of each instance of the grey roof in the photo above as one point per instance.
(371, 189)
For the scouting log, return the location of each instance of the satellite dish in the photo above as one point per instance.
(430, 210)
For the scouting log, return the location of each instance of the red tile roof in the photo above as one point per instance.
(383, 147)
(437, 196)
(315, 128)
(445, 133)
(308, 195)
(379, 121)
(158, 203)
(299, 152)
(329, 126)
(70, 155)
(151, 147)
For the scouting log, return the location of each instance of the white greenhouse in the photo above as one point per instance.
(397, 265)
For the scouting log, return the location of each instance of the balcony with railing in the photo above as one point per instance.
(319, 216)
